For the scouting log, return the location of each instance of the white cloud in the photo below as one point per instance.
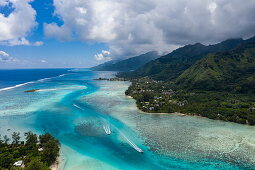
(37, 43)
(43, 61)
(2, 53)
(21, 41)
(103, 56)
(130, 27)
(5, 57)
(61, 33)
(3, 2)
(15, 27)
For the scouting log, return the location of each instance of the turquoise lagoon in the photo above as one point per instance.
(75, 108)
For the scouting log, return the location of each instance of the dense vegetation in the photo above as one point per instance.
(102, 66)
(232, 71)
(216, 81)
(127, 64)
(36, 154)
(170, 66)
(162, 97)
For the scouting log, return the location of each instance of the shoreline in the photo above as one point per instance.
(178, 113)
(130, 97)
(155, 113)
(56, 165)
(75, 161)
(181, 114)
(60, 161)
(203, 112)
(174, 113)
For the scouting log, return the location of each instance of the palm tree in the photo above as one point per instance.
(6, 139)
(15, 138)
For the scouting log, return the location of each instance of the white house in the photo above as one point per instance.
(40, 149)
(18, 163)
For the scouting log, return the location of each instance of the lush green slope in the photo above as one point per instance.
(174, 64)
(232, 70)
(104, 65)
(160, 97)
(128, 64)
(216, 81)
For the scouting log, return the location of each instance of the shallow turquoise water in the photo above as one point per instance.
(74, 108)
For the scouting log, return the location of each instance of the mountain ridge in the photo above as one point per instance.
(232, 70)
(172, 65)
(128, 64)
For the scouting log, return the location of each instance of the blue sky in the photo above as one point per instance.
(53, 53)
(83, 33)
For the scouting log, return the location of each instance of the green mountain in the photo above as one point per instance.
(172, 65)
(104, 65)
(232, 70)
(127, 64)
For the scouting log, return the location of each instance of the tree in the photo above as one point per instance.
(6, 159)
(36, 164)
(6, 139)
(45, 138)
(15, 138)
(1, 141)
(51, 151)
(31, 139)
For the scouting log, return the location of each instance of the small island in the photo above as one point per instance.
(30, 91)
(33, 153)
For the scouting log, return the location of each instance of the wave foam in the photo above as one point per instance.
(42, 80)
(19, 85)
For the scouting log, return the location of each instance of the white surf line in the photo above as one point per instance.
(19, 85)
(78, 106)
(62, 75)
(107, 129)
(41, 80)
(131, 143)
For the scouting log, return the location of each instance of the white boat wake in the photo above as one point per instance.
(107, 129)
(131, 143)
(77, 106)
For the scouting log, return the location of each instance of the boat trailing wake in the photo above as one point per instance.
(77, 106)
(107, 129)
(131, 143)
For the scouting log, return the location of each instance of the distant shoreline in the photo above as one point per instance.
(164, 113)
(156, 113)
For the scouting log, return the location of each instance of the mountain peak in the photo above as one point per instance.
(172, 65)
(128, 64)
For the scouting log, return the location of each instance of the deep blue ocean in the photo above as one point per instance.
(19, 76)
(77, 109)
